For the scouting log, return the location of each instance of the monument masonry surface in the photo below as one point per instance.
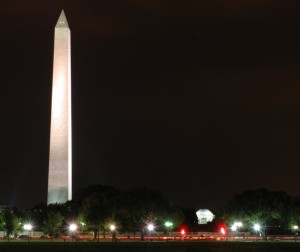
(60, 160)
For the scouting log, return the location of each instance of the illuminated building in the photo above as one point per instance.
(60, 158)
(204, 216)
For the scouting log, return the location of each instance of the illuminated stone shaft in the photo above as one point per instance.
(60, 160)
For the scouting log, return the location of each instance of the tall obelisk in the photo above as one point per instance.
(60, 161)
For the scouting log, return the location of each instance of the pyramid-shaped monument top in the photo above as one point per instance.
(62, 21)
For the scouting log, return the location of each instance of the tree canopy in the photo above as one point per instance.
(269, 208)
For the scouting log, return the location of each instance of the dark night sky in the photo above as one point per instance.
(197, 99)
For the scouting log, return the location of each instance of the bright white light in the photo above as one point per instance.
(238, 224)
(112, 227)
(233, 228)
(73, 227)
(28, 227)
(150, 227)
(295, 227)
(256, 227)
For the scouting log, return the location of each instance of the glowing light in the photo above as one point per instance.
(169, 224)
(112, 227)
(233, 228)
(28, 227)
(73, 227)
(256, 227)
(238, 224)
(150, 227)
(222, 230)
(182, 231)
(295, 227)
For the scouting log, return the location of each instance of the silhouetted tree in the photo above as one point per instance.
(2, 221)
(12, 223)
(175, 215)
(190, 220)
(39, 215)
(142, 205)
(293, 216)
(269, 208)
(53, 224)
(98, 206)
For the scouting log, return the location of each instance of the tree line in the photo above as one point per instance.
(94, 209)
(275, 211)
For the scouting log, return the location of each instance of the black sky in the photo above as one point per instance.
(197, 99)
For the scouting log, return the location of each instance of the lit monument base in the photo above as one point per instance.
(58, 186)
(58, 195)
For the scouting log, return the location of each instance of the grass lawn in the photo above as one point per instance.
(186, 246)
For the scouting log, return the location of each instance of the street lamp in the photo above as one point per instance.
(169, 226)
(295, 227)
(256, 228)
(28, 228)
(150, 227)
(113, 234)
(72, 228)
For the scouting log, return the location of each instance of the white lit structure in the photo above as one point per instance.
(60, 160)
(204, 216)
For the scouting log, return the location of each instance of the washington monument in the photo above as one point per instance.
(60, 160)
